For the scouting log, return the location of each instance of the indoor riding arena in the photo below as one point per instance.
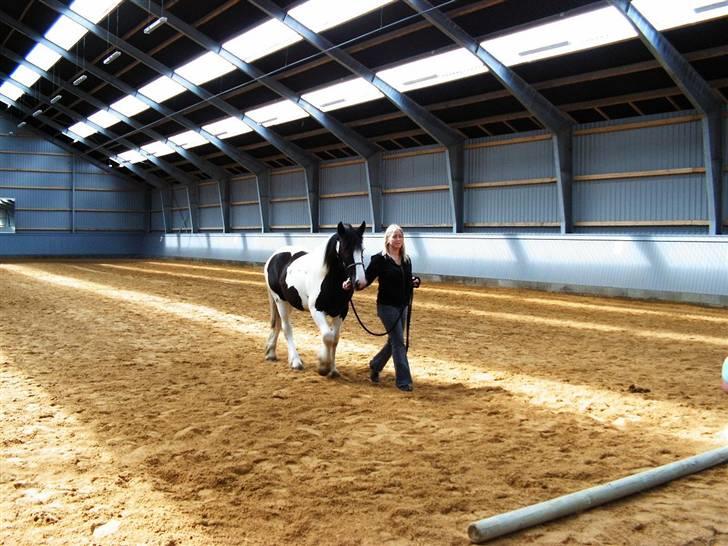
(559, 173)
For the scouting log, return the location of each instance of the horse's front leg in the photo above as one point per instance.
(336, 329)
(328, 342)
(293, 359)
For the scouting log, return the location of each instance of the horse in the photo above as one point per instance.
(298, 279)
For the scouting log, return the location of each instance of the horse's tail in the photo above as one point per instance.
(275, 317)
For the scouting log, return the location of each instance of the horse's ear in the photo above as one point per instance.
(340, 229)
(362, 228)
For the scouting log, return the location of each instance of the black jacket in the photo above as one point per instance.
(395, 281)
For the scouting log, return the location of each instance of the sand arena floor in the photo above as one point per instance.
(136, 408)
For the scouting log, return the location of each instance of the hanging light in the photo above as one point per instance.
(22, 124)
(80, 79)
(155, 25)
(115, 55)
(37, 113)
(56, 99)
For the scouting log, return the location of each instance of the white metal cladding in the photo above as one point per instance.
(349, 177)
(500, 160)
(289, 215)
(288, 183)
(243, 189)
(676, 145)
(351, 210)
(512, 204)
(658, 198)
(245, 217)
(425, 167)
(209, 194)
(419, 209)
(110, 221)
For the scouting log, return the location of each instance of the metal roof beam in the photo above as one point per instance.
(350, 137)
(291, 150)
(431, 124)
(700, 94)
(246, 160)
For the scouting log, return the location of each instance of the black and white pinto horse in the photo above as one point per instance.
(297, 278)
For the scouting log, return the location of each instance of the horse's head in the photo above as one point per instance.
(351, 252)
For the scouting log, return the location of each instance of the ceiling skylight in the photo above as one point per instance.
(11, 91)
(25, 75)
(204, 68)
(129, 106)
(584, 31)
(434, 70)
(188, 139)
(341, 95)
(131, 156)
(158, 148)
(94, 10)
(319, 15)
(65, 33)
(42, 57)
(276, 113)
(261, 40)
(161, 89)
(82, 129)
(664, 14)
(104, 118)
(226, 128)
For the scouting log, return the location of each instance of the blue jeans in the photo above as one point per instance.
(395, 344)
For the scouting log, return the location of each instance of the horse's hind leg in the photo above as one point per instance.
(283, 311)
(275, 329)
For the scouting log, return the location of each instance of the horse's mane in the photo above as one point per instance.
(331, 257)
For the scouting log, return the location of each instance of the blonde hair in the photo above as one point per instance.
(391, 230)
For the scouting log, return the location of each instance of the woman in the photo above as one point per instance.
(393, 268)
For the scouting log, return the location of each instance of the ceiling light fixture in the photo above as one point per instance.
(22, 124)
(56, 99)
(37, 113)
(155, 25)
(80, 79)
(115, 55)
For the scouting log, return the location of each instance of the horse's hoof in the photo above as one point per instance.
(334, 374)
(272, 358)
(298, 366)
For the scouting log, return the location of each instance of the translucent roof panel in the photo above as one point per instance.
(11, 91)
(25, 75)
(94, 10)
(162, 89)
(341, 95)
(276, 113)
(205, 68)
(584, 31)
(129, 106)
(82, 129)
(65, 33)
(445, 67)
(158, 148)
(261, 40)
(132, 156)
(226, 128)
(664, 14)
(104, 119)
(319, 15)
(42, 57)
(188, 139)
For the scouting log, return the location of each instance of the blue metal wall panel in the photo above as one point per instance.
(27, 142)
(109, 200)
(244, 189)
(289, 213)
(42, 180)
(35, 162)
(47, 199)
(341, 179)
(352, 210)
(423, 209)
(650, 148)
(288, 183)
(110, 221)
(39, 220)
(210, 218)
(156, 200)
(156, 222)
(209, 194)
(181, 220)
(425, 167)
(659, 198)
(245, 217)
(524, 160)
(103, 182)
(72, 244)
(534, 203)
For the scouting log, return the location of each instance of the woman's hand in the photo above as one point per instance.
(346, 285)
(416, 282)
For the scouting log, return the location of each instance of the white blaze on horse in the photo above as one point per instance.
(313, 281)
